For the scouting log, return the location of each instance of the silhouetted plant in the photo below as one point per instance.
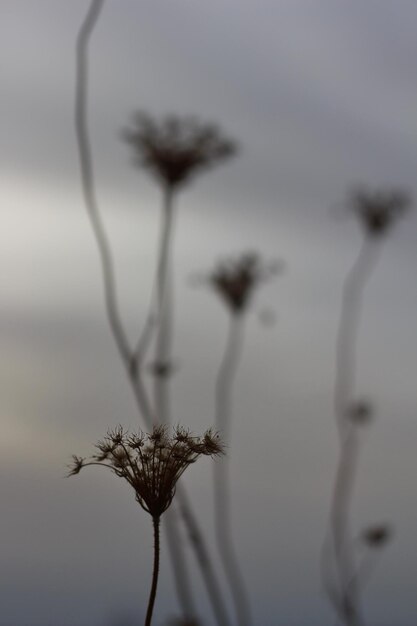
(173, 150)
(133, 358)
(377, 212)
(235, 282)
(152, 465)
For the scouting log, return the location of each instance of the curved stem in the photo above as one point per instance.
(87, 178)
(132, 361)
(152, 595)
(344, 594)
(223, 526)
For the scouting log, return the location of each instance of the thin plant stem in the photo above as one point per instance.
(197, 540)
(344, 595)
(152, 595)
(87, 178)
(179, 565)
(162, 371)
(222, 513)
(132, 360)
(348, 329)
(163, 365)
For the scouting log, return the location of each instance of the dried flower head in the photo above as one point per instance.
(152, 462)
(378, 210)
(175, 148)
(377, 536)
(235, 280)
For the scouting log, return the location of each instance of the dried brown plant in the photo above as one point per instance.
(186, 149)
(378, 210)
(152, 464)
(236, 280)
(174, 149)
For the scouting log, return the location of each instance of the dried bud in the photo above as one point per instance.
(377, 536)
(360, 412)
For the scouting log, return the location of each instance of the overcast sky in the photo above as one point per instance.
(320, 95)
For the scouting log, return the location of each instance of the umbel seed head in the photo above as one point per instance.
(235, 280)
(174, 148)
(152, 462)
(378, 210)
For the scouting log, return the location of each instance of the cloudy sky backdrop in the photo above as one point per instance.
(320, 94)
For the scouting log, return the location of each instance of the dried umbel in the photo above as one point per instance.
(151, 463)
(236, 280)
(175, 148)
(378, 210)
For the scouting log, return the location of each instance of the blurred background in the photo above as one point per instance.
(319, 95)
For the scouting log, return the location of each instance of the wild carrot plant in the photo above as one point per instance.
(343, 573)
(174, 150)
(235, 282)
(152, 465)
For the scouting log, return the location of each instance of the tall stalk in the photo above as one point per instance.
(222, 491)
(342, 574)
(155, 574)
(132, 358)
(234, 281)
(345, 593)
(162, 369)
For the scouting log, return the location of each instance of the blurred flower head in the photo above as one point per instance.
(152, 462)
(235, 280)
(175, 148)
(377, 536)
(378, 210)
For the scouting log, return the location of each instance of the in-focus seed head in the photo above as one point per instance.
(152, 462)
(378, 210)
(174, 148)
(76, 465)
